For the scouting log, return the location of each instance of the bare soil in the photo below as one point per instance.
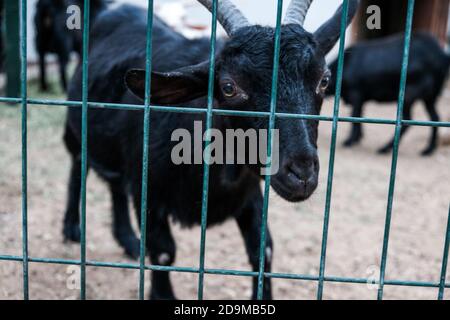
(358, 211)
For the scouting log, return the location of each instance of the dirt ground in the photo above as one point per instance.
(358, 211)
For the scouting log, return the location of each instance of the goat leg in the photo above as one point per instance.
(356, 131)
(406, 116)
(122, 230)
(71, 229)
(162, 249)
(249, 223)
(431, 109)
(42, 72)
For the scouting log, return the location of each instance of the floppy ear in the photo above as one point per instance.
(171, 88)
(328, 34)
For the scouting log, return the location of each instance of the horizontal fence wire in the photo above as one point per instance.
(209, 111)
(224, 112)
(225, 272)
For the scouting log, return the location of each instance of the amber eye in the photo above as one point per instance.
(325, 83)
(229, 89)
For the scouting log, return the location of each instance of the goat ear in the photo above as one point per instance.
(328, 34)
(171, 88)
(135, 82)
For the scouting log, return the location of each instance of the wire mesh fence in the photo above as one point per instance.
(210, 111)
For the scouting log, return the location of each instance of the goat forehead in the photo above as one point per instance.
(299, 54)
(260, 40)
(252, 52)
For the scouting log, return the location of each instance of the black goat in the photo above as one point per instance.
(372, 72)
(242, 81)
(2, 53)
(53, 36)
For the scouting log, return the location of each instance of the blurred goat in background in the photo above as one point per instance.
(53, 36)
(372, 71)
(2, 53)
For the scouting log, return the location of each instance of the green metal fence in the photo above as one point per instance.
(201, 270)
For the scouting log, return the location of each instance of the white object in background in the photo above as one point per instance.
(172, 13)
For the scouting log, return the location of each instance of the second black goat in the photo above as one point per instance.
(372, 71)
(53, 35)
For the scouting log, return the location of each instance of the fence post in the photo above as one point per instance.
(12, 50)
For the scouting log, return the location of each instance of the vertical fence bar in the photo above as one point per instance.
(272, 118)
(145, 150)
(398, 127)
(445, 259)
(84, 129)
(207, 153)
(23, 83)
(337, 100)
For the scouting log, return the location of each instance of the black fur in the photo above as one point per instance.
(116, 136)
(2, 53)
(372, 72)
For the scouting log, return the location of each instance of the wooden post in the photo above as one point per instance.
(393, 19)
(429, 15)
(432, 16)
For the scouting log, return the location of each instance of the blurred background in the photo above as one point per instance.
(431, 15)
(358, 207)
(189, 18)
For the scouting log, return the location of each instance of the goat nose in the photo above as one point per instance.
(304, 165)
(299, 175)
(306, 157)
(302, 171)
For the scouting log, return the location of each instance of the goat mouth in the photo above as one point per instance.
(292, 188)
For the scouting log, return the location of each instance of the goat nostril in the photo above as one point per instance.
(316, 164)
(297, 173)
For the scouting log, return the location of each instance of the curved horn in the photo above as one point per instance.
(296, 12)
(228, 15)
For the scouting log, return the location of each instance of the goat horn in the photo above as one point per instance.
(229, 16)
(296, 12)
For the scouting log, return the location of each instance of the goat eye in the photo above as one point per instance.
(325, 83)
(229, 89)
